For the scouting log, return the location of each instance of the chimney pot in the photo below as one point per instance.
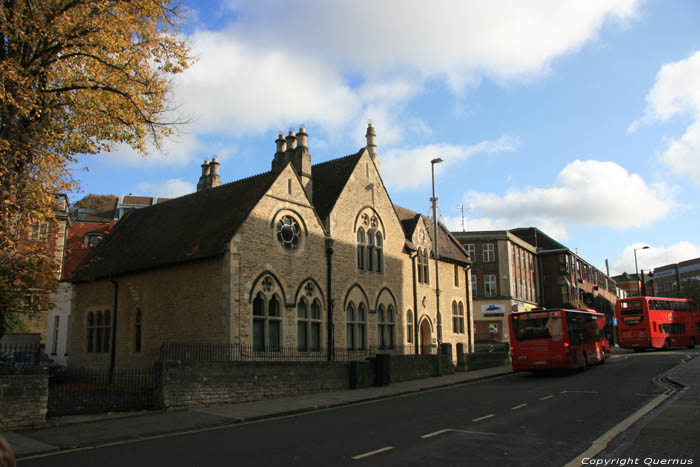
(303, 138)
(291, 141)
(281, 143)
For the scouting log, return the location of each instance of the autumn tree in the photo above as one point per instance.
(76, 77)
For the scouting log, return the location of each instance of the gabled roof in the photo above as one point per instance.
(188, 228)
(329, 179)
(409, 220)
(450, 248)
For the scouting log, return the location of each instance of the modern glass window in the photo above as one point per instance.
(471, 250)
(490, 285)
(475, 284)
(488, 253)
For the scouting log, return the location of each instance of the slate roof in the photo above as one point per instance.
(329, 179)
(450, 248)
(188, 228)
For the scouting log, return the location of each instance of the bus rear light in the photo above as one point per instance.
(566, 347)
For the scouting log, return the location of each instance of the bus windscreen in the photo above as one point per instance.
(537, 326)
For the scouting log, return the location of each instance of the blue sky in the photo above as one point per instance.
(580, 118)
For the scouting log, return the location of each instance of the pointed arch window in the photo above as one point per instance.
(360, 249)
(267, 323)
(409, 326)
(138, 317)
(423, 266)
(308, 326)
(378, 246)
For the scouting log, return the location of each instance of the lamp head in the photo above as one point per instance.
(436, 161)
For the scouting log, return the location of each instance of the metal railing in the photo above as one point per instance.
(248, 352)
(76, 391)
(20, 355)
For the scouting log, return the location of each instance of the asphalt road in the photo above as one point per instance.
(519, 419)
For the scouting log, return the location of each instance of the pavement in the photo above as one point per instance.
(675, 432)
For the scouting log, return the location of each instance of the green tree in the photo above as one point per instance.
(76, 77)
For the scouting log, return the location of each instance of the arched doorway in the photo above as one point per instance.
(426, 341)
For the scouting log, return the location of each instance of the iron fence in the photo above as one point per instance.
(78, 391)
(21, 355)
(248, 352)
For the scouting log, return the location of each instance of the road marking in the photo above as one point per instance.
(435, 433)
(483, 418)
(579, 392)
(475, 432)
(547, 397)
(518, 407)
(371, 453)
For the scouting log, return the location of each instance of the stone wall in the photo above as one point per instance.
(186, 384)
(24, 393)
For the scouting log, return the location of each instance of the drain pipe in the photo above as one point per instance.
(113, 344)
(329, 278)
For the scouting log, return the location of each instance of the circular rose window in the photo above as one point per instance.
(288, 233)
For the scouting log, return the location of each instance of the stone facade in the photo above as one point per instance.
(311, 257)
(24, 393)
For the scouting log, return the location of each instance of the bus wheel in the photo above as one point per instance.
(667, 345)
(691, 344)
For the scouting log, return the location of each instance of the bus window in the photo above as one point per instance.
(537, 326)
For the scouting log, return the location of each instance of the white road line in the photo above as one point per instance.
(371, 453)
(546, 397)
(475, 432)
(518, 407)
(483, 418)
(435, 433)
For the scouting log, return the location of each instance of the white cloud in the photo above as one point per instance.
(653, 257)
(178, 151)
(585, 193)
(409, 168)
(172, 188)
(456, 40)
(675, 92)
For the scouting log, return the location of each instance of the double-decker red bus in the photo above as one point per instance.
(557, 338)
(657, 322)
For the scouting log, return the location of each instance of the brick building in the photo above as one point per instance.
(567, 278)
(503, 279)
(671, 279)
(48, 236)
(304, 256)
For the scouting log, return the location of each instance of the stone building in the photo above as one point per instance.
(503, 279)
(305, 256)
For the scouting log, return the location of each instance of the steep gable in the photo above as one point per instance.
(329, 180)
(188, 228)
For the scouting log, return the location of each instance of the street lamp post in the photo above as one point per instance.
(636, 271)
(437, 269)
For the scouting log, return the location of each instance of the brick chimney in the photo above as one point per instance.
(371, 136)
